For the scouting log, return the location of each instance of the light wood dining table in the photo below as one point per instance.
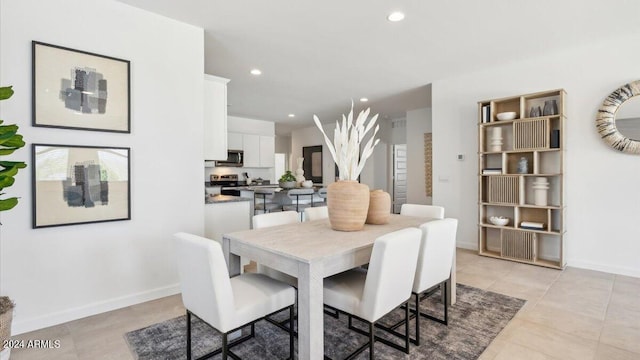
(312, 251)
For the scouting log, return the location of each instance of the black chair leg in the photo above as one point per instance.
(188, 335)
(372, 339)
(406, 328)
(224, 346)
(291, 332)
(417, 342)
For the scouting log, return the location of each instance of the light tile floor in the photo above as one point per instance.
(570, 314)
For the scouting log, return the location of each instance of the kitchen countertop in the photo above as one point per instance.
(219, 199)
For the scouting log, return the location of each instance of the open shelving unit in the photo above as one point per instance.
(531, 194)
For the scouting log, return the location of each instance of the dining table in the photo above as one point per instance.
(312, 251)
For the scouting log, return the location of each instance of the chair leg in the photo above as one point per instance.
(224, 346)
(291, 332)
(188, 335)
(372, 339)
(417, 342)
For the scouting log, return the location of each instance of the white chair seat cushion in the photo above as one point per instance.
(256, 295)
(278, 275)
(344, 291)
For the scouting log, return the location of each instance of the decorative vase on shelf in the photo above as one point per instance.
(535, 111)
(496, 139)
(523, 166)
(540, 191)
(300, 172)
(550, 107)
(379, 207)
(347, 199)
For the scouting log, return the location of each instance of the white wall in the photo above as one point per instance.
(418, 123)
(63, 273)
(602, 192)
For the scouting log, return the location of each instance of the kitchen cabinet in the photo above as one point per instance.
(215, 117)
(267, 151)
(234, 141)
(258, 149)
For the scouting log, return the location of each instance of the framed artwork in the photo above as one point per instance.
(75, 89)
(312, 164)
(80, 184)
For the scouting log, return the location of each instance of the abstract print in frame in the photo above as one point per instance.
(75, 184)
(75, 89)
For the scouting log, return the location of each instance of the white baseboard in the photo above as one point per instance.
(618, 270)
(20, 326)
(467, 245)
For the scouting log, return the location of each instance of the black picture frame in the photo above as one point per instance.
(77, 184)
(80, 90)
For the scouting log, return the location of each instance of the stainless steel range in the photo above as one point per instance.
(227, 182)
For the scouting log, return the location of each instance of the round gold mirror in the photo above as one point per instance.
(619, 126)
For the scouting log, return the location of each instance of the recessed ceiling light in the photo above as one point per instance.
(364, 99)
(395, 16)
(292, 115)
(256, 72)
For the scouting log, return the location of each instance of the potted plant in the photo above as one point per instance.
(287, 180)
(10, 141)
(347, 199)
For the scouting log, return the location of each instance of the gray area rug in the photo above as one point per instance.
(474, 321)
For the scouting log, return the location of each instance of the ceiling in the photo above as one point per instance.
(315, 56)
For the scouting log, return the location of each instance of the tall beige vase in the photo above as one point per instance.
(379, 207)
(348, 203)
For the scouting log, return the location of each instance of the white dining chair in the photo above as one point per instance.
(263, 200)
(226, 304)
(369, 295)
(274, 219)
(300, 199)
(316, 213)
(435, 261)
(429, 211)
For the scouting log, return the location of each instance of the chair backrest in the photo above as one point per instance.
(300, 195)
(429, 211)
(275, 218)
(322, 192)
(435, 258)
(204, 279)
(390, 275)
(316, 213)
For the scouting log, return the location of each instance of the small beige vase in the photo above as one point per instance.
(379, 207)
(348, 203)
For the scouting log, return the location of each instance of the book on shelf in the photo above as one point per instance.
(531, 225)
(492, 171)
(486, 113)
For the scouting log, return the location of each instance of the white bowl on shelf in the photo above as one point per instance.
(499, 220)
(509, 115)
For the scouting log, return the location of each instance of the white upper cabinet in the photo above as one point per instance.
(215, 117)
(234, 141)
(259, 150)
(267, 151)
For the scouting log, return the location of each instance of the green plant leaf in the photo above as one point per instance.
(6, 181)
(5, 92)
(15, 141)
(8, 204)
(18, 164)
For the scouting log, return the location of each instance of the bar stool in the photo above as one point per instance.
(322, 194)
(264, 205)
(299, 200)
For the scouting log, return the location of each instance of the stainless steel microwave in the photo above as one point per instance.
(234, 159)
